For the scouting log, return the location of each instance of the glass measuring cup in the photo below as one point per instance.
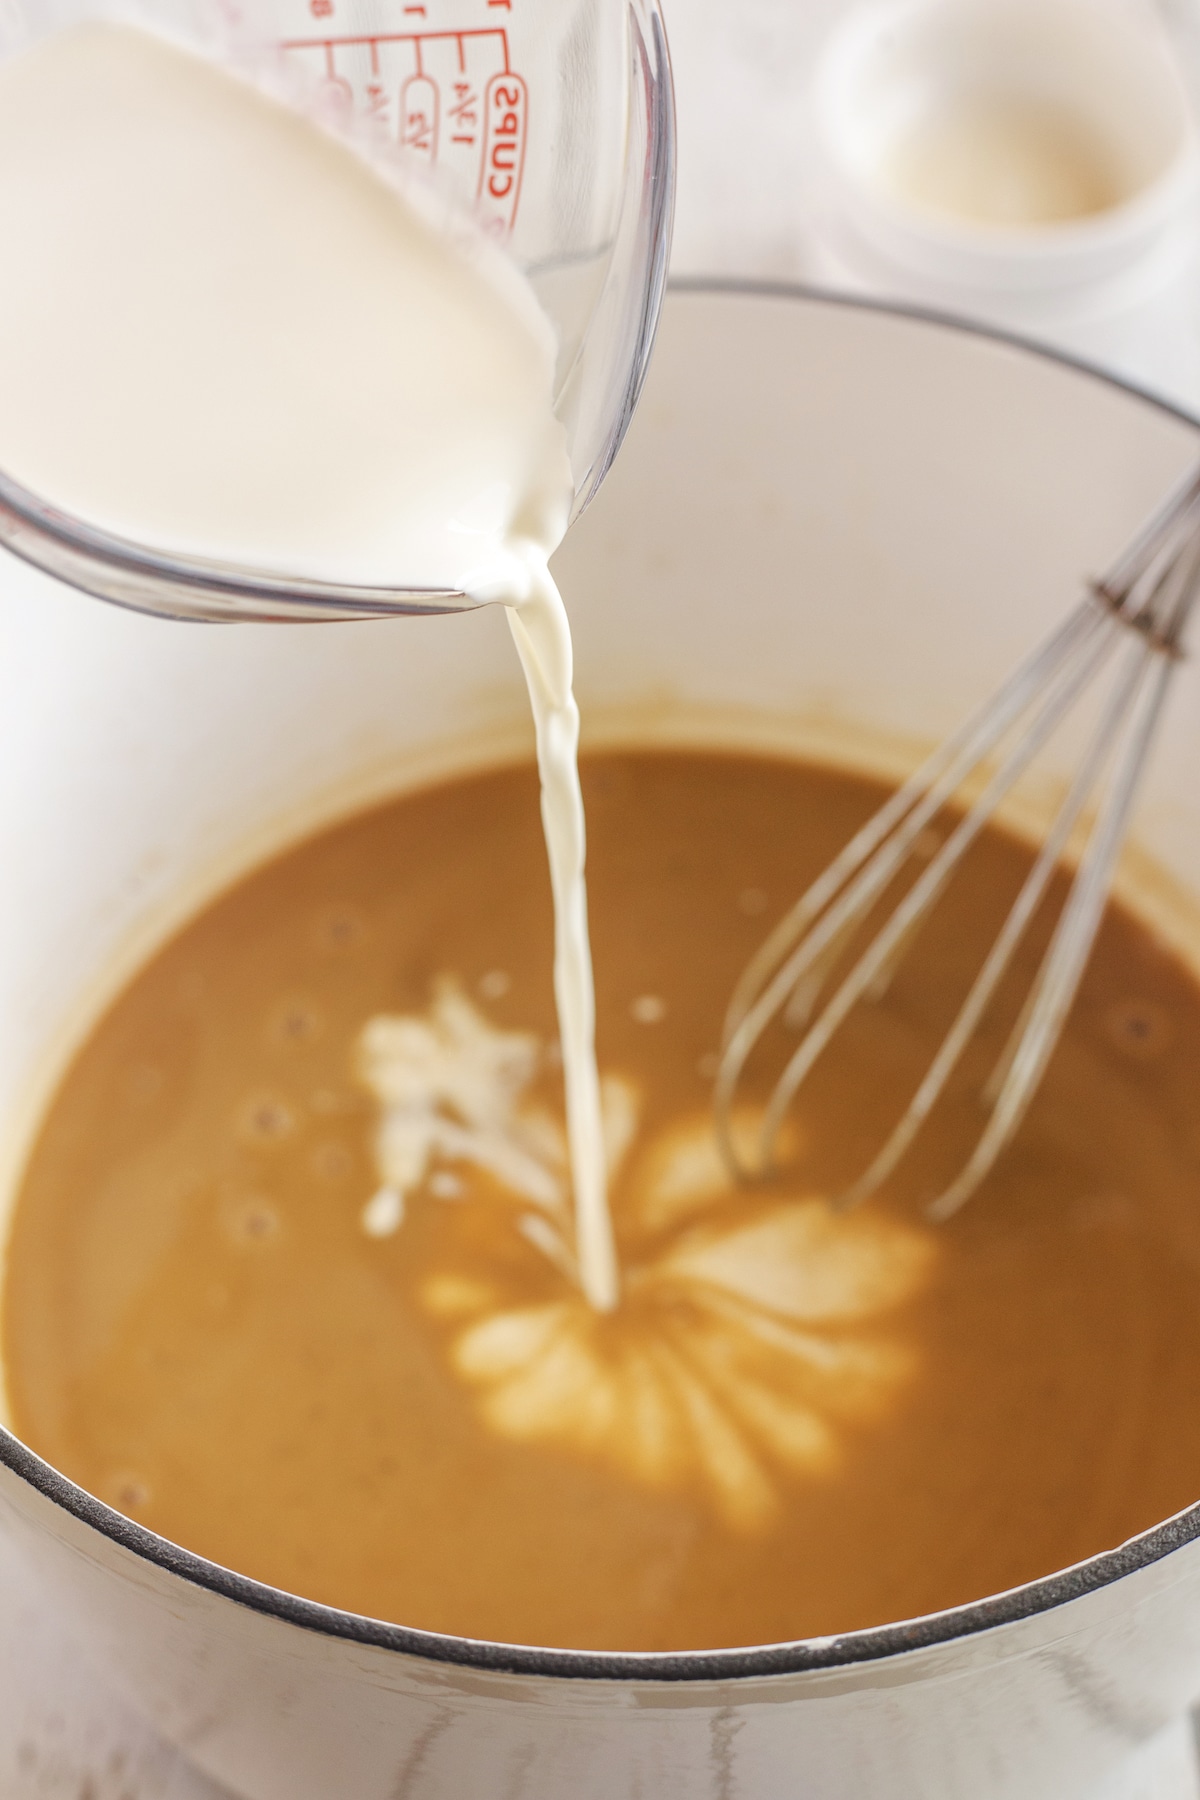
(550, 120)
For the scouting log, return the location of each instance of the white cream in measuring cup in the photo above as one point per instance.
(223, 332)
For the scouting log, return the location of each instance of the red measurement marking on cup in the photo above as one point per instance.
(505, 112)
(420, 106)
(451, 97)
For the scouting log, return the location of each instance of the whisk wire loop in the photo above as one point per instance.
(1139, 610)
(925, 893)
(957, 754)
(1001, 954)
(1059, 977)
(834, 906)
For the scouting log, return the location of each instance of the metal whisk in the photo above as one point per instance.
(1131, 623)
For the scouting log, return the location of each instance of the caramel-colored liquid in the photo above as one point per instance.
(793, 1424)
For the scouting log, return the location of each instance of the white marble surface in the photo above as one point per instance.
(741, 69)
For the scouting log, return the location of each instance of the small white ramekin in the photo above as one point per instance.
(1103, 62)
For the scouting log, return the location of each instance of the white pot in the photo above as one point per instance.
(830, 526)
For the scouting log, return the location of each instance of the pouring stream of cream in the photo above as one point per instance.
(225, 332)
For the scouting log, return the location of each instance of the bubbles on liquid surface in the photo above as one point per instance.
(649, 1009)
(250, 1221)
(128, 1492)
(1141, 1029)
(265, 1120)
(336, 930)
(294, 1022)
